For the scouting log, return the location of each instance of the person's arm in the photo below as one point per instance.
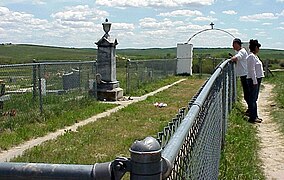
(237, 57)
(251, 69)
(234, 58)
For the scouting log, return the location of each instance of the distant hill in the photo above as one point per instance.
(23, 53)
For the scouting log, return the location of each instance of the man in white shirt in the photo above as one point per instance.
(241, 66)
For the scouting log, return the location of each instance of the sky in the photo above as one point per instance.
(142, 23)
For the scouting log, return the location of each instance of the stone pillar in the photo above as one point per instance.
(107, 85)
(184, 59)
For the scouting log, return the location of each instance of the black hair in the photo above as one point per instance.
(253, 44)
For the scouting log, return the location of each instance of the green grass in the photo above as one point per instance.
(112, 136)
(239, 159)
(92, 143)
(22, 53)
(278, 110)
(59, 111)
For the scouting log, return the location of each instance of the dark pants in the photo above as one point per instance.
(253, 96)
(245, 88)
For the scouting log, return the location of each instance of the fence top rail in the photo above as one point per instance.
(171, 150)
(46, 63)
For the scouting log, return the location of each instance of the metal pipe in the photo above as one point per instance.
(174, 145)
(44, 171)
(216, 29)
(100, 171)
(40, 89)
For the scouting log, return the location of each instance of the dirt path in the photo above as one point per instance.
(6, 156)
(272, 141)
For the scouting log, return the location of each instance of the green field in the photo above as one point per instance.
(22, 53)
(92, 142)
(278, 108)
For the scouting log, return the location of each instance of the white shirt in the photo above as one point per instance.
(241, 66)
(255, 68)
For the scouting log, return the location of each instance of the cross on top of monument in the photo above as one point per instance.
(212, 25)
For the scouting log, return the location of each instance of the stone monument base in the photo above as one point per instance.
(110, 95)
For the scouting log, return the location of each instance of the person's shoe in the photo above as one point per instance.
(259, 119)
(256, 120)
(251, 121)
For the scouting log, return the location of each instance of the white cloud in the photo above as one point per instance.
(229, 12)
(257, 17)
(123, 26)
(266, 24)
(281, 28)
(212, 12)
(151, 23)
(181, 13)
(261, 34)
(151, 3)
(38, 2)
(208, 18)
(280, 1)
(10, 20)
(280, 14)
(80, 13)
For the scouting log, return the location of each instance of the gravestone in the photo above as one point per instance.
(71, 80)
(107, 86)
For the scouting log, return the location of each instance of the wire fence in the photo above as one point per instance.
(188, 148)
(192, 143)
(43, 85)
(141, 72)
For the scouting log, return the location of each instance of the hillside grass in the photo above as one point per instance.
(59, 111)
(92, 143)
(278, 109)
(23, 53)
(110, 137)
(239, 159)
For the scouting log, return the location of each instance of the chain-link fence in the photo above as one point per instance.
(192, 143)
(44, 85)
(141, 72)
(188, 148)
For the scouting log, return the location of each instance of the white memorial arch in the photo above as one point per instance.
(185, 52)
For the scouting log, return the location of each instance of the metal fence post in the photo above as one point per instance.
(138, 75)
(146, 161)
(80, 67)
(234, 83)
(266, 67)
(34, 80)
(127, 76)
(200, 66)
(40, 88)
(95, 83)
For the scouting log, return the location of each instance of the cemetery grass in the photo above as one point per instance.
(278, 108)
(59, 111)
(112, 136)
(239, 158)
